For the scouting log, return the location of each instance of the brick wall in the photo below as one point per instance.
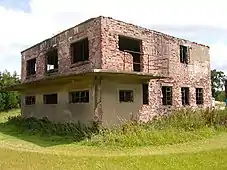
(62, 41)
(161, 50)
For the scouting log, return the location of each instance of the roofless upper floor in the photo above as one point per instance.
(112, 45)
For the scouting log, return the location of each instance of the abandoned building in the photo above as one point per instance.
(108, 70)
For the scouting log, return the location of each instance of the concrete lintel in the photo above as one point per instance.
(81, 76)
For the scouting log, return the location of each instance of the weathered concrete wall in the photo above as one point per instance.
(62, 41)
(162, 51)
(63, 111)
(114, 111)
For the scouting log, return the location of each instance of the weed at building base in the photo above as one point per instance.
(181, 126)
(45, 128)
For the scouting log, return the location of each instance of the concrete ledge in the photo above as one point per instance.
(62, 79)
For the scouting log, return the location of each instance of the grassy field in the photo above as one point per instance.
(21, 151)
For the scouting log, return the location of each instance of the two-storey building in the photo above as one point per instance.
(108, 70)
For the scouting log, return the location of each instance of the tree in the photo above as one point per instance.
(221, 96)
(8, 100)
(217, 82)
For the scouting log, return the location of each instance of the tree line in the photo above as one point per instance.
(217, 85)
(10, 100)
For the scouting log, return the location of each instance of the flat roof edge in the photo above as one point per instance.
(94, 72)
(149, 29)
(84, 22)
(128, 23)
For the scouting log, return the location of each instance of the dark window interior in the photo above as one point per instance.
(80, 50)
(132, 46)
(199, 96)
(184, 54)
(126, 96)
(29, 100)
(50, 99)
(31, 67)
(52, 60)
(145, 94)
(79, 97)
(185, 95)
(167, 95)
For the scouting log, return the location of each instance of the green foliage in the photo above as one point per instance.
(8, 100)
(182, 126)
(220, 96)
(216, 82)
(44, 127)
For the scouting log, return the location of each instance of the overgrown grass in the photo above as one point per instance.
(181, 126)
(43, 127)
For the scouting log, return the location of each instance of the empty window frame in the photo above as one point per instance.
(167, 95)
(52, 60)
(50, 98)
(199, 96)
(79, 96)
(31, 67)
(185, 95)
(129, 44)
(145, 94)
(126, 95)
(80, 50)
(132, 46)
(29, 100)
(184, 54)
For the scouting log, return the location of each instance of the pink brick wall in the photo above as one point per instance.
(162, 51)
(90, 29)
(154, 47)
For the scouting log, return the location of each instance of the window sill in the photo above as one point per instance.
(200, 105)
(79, 103)
(127, 102)
(184, 63)
(31, 76)
(50, 104)
(185, 105)
(167, 106)
(73, 65)
(51, 71)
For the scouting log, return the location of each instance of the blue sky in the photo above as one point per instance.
(16, 4)
(27, 22)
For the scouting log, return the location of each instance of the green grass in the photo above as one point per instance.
(215, 159)
(195, 148)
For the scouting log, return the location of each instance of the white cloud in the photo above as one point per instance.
(52, 16)
(218, 56)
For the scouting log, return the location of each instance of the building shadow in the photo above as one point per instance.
(42, 140)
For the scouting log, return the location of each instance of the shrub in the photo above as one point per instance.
(44, 127)
(181, 126)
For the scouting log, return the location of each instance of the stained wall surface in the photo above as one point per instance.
(63, 111)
